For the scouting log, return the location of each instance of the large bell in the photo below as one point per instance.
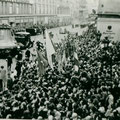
(7, 40)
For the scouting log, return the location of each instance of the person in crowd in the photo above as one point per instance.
(9, 58)
(92, 93)
(9, 82)
(19, 56)
(43, 31)
(27, 54)
(18, 68)
(3, 73)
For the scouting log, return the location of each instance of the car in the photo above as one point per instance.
(23, 39)
(62, 30)
(34, 30)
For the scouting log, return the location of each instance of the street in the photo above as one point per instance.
(56, 39)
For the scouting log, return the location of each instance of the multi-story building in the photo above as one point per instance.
(108, 22)
(83, 10)
(15, 11)
(64, 11)
(79, 11)
(44, 10)
(52, 11)
(24, 12)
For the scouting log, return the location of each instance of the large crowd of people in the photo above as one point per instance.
(91, 93)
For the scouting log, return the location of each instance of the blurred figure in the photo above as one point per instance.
(9, 62)
(20, 56)
(18, 69)
(27, 54)
(3, 77)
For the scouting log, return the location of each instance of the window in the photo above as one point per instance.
(39, 8)
(43, 9)
(10, 9)
(1, 8)
(6, 10)
(17, 9)
(30, 9)
(47, 9)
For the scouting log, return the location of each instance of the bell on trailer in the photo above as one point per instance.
(7, 43)
(7, 40)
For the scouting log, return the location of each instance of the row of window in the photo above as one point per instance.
(8, 8)
(12, 8)
(52, 9)
(18, 1)
(46, 9)
(46, 1)
(64, 11)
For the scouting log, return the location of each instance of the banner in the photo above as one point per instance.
(76, 62)
(49, 49)
(42, 63)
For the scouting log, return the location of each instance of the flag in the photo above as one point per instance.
(76, 62)
(64, 61)
(42, 63)
(49, 49)
(59, 59)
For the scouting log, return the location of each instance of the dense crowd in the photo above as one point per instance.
(92, 93)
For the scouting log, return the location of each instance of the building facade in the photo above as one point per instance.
(64, 12)
(22, 12)
(108, 22)
(52, 12)
(83, 10)
(15, 11)
(44, 11)
(79, 12)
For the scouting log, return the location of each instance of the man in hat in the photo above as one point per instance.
(4, 77)
(27, 54)
(18, 69)
(9, 61)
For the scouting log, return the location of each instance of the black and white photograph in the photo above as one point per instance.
(60, 59)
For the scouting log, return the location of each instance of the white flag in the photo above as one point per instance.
(49, 49)
(76, 62)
